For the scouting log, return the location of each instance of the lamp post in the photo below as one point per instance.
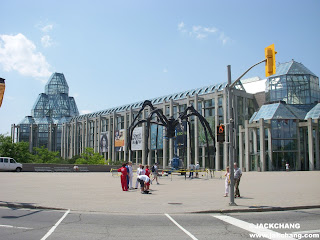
(270, 70)
(231, 145)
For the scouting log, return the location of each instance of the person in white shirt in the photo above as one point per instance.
(139, 172)
(130, 175)
(143, 180)
(197, 169)
(227, 182)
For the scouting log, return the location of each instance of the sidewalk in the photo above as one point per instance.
(101, 192)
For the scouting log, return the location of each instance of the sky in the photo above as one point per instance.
(124, 51)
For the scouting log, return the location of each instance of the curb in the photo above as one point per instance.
(258, 209)
(237, 210)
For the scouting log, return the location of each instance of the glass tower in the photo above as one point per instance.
(50, 111)
(294, 84)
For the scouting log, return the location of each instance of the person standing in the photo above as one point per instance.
(139, 172)
(128, 172)
(191, 167)
(123, 177)
(197, 169)
(237, 176)
(130, 175)
(287, 167)
(155, 171)
(147, 174)
(227, 182)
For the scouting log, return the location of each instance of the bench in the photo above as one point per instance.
(42, 169)
(62, 169)
(83, 169)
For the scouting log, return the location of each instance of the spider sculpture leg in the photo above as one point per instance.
(204, 124)
(163, 122)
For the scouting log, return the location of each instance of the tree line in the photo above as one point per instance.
(20, 152)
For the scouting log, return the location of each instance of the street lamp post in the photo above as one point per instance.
(270, 70)
(231, 136)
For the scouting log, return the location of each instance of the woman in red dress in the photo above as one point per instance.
(148, 174)
(123, 177)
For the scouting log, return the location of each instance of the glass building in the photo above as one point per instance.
(286, 128)
(50, 111)
(276, 121)
(107, 126)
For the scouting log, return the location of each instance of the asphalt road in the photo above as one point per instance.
(17, 224)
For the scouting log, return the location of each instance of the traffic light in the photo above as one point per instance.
(2, 88)
(221, 133)
(270, 55)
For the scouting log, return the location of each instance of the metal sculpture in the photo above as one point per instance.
(156, 116)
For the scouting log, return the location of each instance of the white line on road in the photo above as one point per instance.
(179, 226)
(9, 226)
(267, 233)
(55, 226)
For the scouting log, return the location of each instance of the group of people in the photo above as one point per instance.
(194, 168)
(143, 177)
(237, 177)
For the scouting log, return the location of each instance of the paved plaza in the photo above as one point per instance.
(101, 192)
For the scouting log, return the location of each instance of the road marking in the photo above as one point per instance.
(55, 226)
(252, 228)
(309, 231)
(179, 226)
(9, 226)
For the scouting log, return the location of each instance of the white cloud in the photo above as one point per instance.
(17, 53)
(181, 25)
(82, 112)
(47, 28)
(165, 70)
(46, 41)
(202, 32)
(224, 39)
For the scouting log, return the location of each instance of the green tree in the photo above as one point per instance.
(19, 151)
(90, 157)
(6, 146)
(43, 155)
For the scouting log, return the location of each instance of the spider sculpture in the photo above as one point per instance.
(156, 116)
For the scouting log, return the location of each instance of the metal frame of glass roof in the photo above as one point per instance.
(158, 100)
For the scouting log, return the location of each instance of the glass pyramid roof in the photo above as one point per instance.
(278, 111)
(292, 67)
(314, 113)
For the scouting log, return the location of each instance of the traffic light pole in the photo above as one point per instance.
(236, 81)
(230, 87)
(231, 147)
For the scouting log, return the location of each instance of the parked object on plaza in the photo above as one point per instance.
(9, 164)
(176, 163)
(157, 117)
